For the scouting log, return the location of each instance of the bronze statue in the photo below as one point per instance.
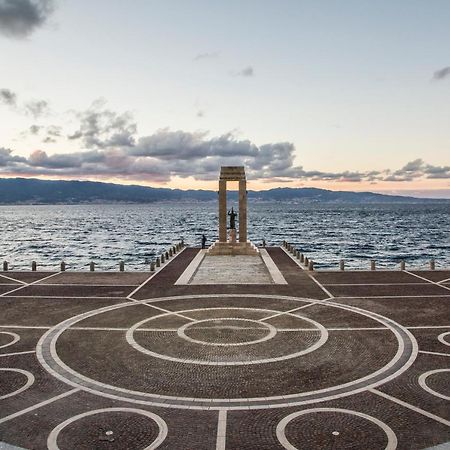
(232, 215)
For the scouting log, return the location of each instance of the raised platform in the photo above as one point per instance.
(233, 248)
(132, 360)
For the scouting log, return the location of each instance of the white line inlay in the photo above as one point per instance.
(434, 353)
(411, 407)
(38, 405)
(221, 430)
(17, 353)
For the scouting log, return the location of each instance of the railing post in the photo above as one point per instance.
(372, 264)
(63, 266)
(158, 261)
(5, 266)
(342, 265)
(33, 266)
(402, 265)
(432, 264)
(152, 266)
(121, 266)
(92, 266)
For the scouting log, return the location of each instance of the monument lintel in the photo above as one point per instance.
(232, 173)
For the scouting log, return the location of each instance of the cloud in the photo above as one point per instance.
(20, 18)
(207, 55)
(36, 108)
(34, 129)
(7, 160)
(245, 72)
(102, 128)
(8, 97)
(419, 169)
(113, 149)
(442, 73)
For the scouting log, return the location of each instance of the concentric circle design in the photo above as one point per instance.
(442, 338)
(322, 338)
(52, 440)
(15, 338)
(281, 427)
(423, 382)
(29, 381)
(270, 331)
(47, 353)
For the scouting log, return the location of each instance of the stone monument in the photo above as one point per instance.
(232, 246)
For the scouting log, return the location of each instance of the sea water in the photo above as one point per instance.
(326, 233)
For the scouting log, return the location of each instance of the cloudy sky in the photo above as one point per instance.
(344, 95)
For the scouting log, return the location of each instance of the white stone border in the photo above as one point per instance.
(181, 332)
(321, 341)
(190, 270)
(53, 436)
(95, 387)
(281, 427)
(424, 386)
(16, 338)
(441, 338)
(273, 269)
(30, 381)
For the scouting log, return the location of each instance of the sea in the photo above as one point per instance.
(137, 233)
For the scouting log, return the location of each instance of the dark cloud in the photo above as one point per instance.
(246, 72)
(20, 18)
(7, 160)
(442, 73)
(419, 169)
(102, 128)
(207, 55)
(36, 108)
(34, 129)
(8, 97)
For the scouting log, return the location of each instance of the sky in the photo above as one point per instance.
(341, 95)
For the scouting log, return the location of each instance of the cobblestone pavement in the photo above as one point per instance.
(330, 360)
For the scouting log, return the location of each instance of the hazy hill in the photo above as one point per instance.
(34, 191)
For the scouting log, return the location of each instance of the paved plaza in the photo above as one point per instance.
(285, 359)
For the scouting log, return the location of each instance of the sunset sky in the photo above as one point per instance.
(343, 95)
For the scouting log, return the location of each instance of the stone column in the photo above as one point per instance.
(242, 211)
(222, 211)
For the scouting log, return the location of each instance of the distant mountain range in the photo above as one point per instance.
(34, 191)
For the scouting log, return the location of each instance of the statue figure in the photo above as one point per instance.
(232, 215)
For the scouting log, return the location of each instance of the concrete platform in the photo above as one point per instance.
(133, 360)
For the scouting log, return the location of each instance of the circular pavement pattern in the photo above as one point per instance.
(210, 343)
(443, 338)
(6, 336)
(335, 428)
(439, 377)
(242, 357)
(113, 428)
(11, 384)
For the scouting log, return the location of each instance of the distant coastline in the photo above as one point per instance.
(30, 191)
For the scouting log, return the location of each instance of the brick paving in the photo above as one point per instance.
(93, 360)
